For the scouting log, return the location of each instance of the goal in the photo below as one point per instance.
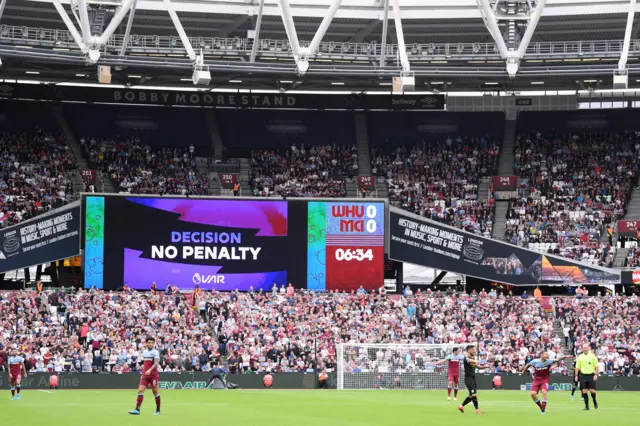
(394, 366)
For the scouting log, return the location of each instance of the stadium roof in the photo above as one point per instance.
(575, 44)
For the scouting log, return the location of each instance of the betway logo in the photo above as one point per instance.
(402, 102)
(424, 101)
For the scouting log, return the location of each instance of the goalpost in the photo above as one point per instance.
(395, 366)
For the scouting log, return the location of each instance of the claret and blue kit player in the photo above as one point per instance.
(150, 376)
(541, 374)
(17, 370)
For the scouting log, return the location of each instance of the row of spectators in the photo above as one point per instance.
(440, 180)
(293, 331)
(572, 188)
(36, 171)
(316, 171)
(609, 324)
(140, 169)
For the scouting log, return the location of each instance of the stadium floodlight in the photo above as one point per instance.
(93, 55)
(364, 366)
(513, 64)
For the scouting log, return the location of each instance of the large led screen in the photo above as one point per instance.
(229, 244)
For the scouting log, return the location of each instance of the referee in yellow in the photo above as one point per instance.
(587, 372)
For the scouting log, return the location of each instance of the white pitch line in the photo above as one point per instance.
(45, 391)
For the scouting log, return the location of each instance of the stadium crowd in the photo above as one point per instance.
(609, 324)
(572, 188)
(440, 180)
(35, 175)
(286, 330)
(140, 169)
(316, 171)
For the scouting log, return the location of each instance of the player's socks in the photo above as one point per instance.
(13, 392)
(139, 401)
(455, 393)
(544, 405)
(595, 403)
(475, 403)
(18, 390)
(157, 402)
(538, 403)
(573, 390)
(585, 398)
(466, 401)
(449, 392)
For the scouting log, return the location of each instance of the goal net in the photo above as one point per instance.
(395, 366)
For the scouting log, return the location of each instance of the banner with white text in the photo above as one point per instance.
(424, 242)
(41, 240)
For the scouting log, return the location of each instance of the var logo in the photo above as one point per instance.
(207, 279)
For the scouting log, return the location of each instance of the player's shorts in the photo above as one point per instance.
(16, 378)
(470, 383)
(454, 378)
(538, 386)
(149, 381)
(587, 382)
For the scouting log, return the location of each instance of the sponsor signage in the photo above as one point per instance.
(566, 387)
(44, 239)
(504, 183)
(628, 228)
(367, 182)
(228, 180)
(524, 101)
(231, 100)
(635, 277)
(415, 239)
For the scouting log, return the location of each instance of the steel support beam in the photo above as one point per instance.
(256, 38)
(402, 49)
(70, 25)
(622, 64)
(127, 31)
(492, 25)
(533, 23)
(385, 28)
(183, 35)
(115, 22)
(324, 26)
(3, 3)
(290, 28)
(84, 21)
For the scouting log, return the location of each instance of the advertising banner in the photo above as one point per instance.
(229, 244)
(222, 99)
(504, 183)
(424, 242)
(168, 381)
(628, 228)
(47, 238)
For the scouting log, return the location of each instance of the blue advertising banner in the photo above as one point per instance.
(46, 238)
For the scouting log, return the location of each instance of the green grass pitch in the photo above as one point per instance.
(309, 408)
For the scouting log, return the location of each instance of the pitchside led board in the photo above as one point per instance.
(229, 244)
(424, 242)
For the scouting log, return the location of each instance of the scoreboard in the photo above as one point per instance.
(351, 236)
